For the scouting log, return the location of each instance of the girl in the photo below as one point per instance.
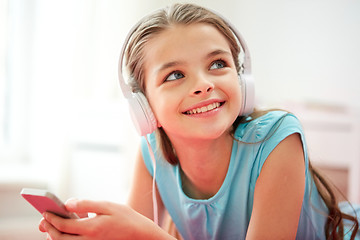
(219, 174)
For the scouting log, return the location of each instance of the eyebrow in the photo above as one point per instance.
(169, 65)
(218, 52)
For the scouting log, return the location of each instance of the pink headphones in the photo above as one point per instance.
(140, 110)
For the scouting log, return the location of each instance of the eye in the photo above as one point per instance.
(174, 76)
(217, 64)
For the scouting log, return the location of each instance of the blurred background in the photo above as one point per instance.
(64, 124)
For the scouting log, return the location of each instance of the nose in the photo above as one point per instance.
(202, 86)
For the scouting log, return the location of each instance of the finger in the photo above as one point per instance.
(52, 232)
(55, 234)
(62, 225)
(73, 201)
(80, 227)
(89, 206)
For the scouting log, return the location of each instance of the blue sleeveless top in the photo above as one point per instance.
(226, 215)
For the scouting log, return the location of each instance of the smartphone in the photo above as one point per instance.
(45, 201)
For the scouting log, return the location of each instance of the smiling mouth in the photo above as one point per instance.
(204, 109)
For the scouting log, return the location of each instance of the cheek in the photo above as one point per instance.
(163, 108)
(237, 98)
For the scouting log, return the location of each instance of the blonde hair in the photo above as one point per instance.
(187, 14)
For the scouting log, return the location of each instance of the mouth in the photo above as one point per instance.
(204, 109)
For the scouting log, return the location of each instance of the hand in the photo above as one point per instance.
(112, 221)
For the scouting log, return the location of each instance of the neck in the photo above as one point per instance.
(204, 165)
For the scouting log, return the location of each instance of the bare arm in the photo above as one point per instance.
(279, 192)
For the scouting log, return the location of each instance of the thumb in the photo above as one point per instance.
(88, 206)
(71, 209)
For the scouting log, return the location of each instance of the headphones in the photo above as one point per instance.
(140, 110)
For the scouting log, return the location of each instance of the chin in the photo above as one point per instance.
(212, 133)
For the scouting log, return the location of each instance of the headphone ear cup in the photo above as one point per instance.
(248, 92)
(141, 114)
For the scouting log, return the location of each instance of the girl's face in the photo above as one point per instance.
(191, 82)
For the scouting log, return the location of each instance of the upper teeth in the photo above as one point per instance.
(204, 109)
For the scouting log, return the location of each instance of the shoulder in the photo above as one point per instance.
(271, 124)
(263, 134)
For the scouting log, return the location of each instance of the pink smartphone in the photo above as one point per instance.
(44, 201)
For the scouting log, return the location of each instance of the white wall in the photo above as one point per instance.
(304, 50)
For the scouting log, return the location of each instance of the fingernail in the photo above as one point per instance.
(71, 202)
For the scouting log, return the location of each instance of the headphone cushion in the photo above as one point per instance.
(141, 114)
(248, 92)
